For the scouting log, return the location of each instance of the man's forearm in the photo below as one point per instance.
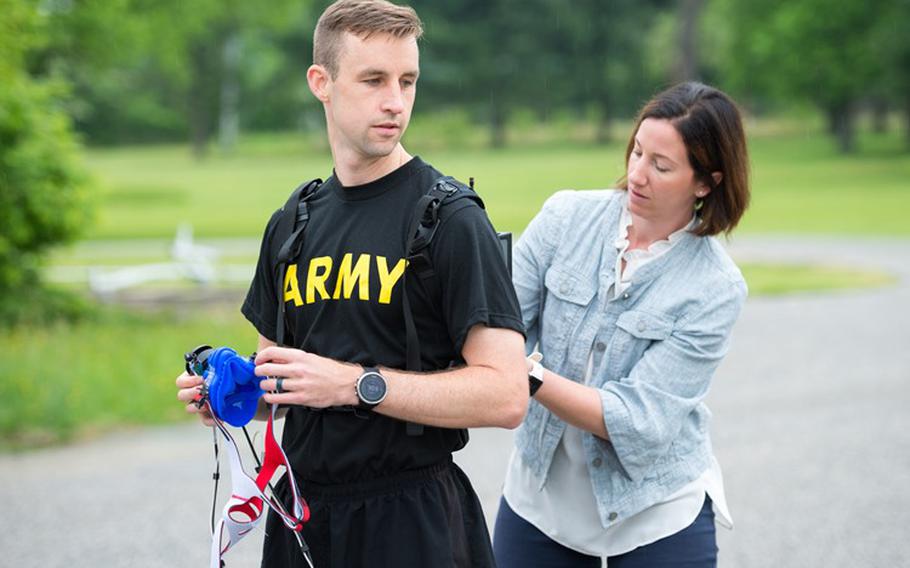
(466, 397)
(490, 390)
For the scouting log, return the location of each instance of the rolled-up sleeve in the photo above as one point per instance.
(645, 411)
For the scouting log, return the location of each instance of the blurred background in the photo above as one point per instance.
(144, 144)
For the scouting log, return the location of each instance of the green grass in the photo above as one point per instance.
(70, 380)
(801, 183)
(777, 279)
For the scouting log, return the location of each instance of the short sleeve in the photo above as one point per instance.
(261, 304)
(475, 284)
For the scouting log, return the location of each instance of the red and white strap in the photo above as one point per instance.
(244, 509)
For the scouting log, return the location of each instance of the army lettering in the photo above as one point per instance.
(350, 276)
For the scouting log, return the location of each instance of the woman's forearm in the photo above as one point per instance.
(578, 405)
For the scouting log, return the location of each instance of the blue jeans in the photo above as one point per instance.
(518, 543)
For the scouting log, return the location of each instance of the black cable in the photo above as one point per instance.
(215, 476)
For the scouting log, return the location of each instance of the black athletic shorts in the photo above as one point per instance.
(429, 517)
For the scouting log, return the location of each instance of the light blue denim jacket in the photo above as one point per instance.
(655, 347)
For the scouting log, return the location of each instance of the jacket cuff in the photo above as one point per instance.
(625, 438)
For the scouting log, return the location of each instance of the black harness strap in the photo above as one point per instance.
(421, 232)
(294, 218)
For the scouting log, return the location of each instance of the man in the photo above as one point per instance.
(380, 493)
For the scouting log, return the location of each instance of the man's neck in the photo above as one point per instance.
(356, 170)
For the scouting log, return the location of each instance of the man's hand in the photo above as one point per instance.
(188, 388)
(307, 379)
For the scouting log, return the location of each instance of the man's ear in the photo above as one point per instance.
(319, 81)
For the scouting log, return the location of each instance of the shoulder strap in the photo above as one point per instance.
(289, 231)
(425, 222)
(421, 231)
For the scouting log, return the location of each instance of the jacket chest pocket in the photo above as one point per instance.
(636, 331)
(567, 297)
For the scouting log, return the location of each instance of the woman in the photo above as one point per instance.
(630, 300)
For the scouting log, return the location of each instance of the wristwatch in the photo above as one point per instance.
(535, 375)
(371, 388)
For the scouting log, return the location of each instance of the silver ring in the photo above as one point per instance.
(279, 388)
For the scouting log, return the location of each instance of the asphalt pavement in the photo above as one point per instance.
(811, 426)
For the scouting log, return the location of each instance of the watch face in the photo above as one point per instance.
(372, 388)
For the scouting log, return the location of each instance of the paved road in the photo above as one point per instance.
(811, 426)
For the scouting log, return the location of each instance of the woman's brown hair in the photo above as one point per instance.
(712, 130)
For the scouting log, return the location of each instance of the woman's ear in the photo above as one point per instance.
(717, 177)
(319, 80)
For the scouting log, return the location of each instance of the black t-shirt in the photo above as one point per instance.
(343, 301)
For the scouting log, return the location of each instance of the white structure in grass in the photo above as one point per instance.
(191, 261)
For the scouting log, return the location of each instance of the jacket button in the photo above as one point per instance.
(641, 326)
(600, 346)
(613, 516)
(597, 462)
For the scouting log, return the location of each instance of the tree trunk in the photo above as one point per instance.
(603, 122)
(688, 16)
(198, 122)
(879, 116)
(841, 125)
(201, 99)
(229, 107)
(497, 124)
(907, 118)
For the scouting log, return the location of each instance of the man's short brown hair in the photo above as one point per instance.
(363, 18)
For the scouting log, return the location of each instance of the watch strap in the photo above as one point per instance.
(535, 375)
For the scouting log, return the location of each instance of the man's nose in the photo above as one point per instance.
(393, 101)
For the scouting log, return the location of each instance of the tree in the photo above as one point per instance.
(152, 70)
(43, 195)
(891, 42)
(486, 55)
(605, 49)
(496, 56)
(810, 50)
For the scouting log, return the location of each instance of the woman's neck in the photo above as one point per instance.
(643, 232)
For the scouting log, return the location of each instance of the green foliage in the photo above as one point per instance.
(116, 368)
(191, 69)
(165, 70)
(43, 195)
(832, 55)
(498, 57)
